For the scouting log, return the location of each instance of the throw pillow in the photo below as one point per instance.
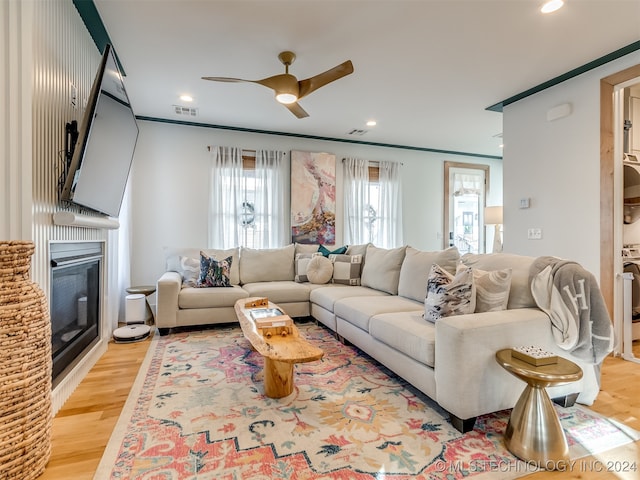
(302, 263)
(346, 269)
(416, 267)
(189, 268)
(214, 273)
(381, 269)
(520, 293)
(267, 264)
(326, 252)
(492, 289)
(319, 270)
(449, 295)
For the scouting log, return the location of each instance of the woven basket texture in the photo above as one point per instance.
(25, 367)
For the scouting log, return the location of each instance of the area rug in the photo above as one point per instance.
(197, 411)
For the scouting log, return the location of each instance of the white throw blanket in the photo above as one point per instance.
(570, 296)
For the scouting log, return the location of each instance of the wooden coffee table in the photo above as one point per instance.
(280, 352)
(534, 432)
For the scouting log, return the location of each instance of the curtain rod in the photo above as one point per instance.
(376, 162)
(243, 150)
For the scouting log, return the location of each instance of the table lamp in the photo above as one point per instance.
(493, 216)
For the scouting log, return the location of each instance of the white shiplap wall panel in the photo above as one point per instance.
(63, 54)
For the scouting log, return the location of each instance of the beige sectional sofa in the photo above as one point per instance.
(451, 360)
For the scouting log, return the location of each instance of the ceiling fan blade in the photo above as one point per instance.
(296, 109)
(311, 84)
(227, 79)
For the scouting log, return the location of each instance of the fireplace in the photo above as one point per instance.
(76, 286)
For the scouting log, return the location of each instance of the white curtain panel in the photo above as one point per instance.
(356, 200)
(271, 223)
(119, 261)
(389, 233)
(226, 196)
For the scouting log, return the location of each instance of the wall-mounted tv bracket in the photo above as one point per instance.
(70, 139)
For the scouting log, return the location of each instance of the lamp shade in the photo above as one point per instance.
(493, 215)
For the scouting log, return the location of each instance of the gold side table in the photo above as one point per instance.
(534, 432)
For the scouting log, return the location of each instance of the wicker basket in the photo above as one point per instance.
(25, 367)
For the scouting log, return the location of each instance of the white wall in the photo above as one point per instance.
(170, 187)
(557, 165)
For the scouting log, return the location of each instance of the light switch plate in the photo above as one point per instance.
(534, 234)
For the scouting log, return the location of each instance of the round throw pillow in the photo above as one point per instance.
(319, 270)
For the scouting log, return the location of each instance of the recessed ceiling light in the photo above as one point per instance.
(552, 6)
(186, 98)
(371, 123)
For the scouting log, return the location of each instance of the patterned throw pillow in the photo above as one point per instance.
(346, 269)
(189, 268)
(214, 273)
(302, 263)
(492, 289)
(326, 252)
(449, 295)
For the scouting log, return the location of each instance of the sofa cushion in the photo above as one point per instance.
(408, 333)
(416, 267)
(327, 296)
(382, 268)
(279, 292)
(360, 249)
(449, 295)
(520, 292)
(301, 264)
(492, 289)
(210, 297)
(214, 273)
(319, 270)
(174, 264)
(306, 248)
(266, 264)
(358, 310)
(346, 269)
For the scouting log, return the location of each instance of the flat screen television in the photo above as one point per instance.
(101, 158)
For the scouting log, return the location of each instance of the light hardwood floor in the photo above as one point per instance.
(82, 428)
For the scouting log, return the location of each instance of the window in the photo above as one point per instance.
(247, 192)
(373, 212)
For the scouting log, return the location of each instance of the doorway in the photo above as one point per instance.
(465, 193)
(610, 218)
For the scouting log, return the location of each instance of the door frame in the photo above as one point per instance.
(608, 246)
(447, 189)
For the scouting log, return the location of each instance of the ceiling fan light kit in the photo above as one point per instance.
(288, 90)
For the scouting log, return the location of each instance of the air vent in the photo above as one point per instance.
(357, 131)
(187, 111)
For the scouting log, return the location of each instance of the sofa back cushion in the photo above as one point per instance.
(416, 267)
(267, 264)
(381, 270)
(520, 292)
(174, 262)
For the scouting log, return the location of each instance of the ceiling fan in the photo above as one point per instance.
(288, 89)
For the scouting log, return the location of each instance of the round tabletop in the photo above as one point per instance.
(144, 289)
(564, 371)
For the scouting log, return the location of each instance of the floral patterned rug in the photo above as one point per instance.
(198, 411)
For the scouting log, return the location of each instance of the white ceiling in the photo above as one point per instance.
(426, 70)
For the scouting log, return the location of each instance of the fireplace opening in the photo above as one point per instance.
(76, 274)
